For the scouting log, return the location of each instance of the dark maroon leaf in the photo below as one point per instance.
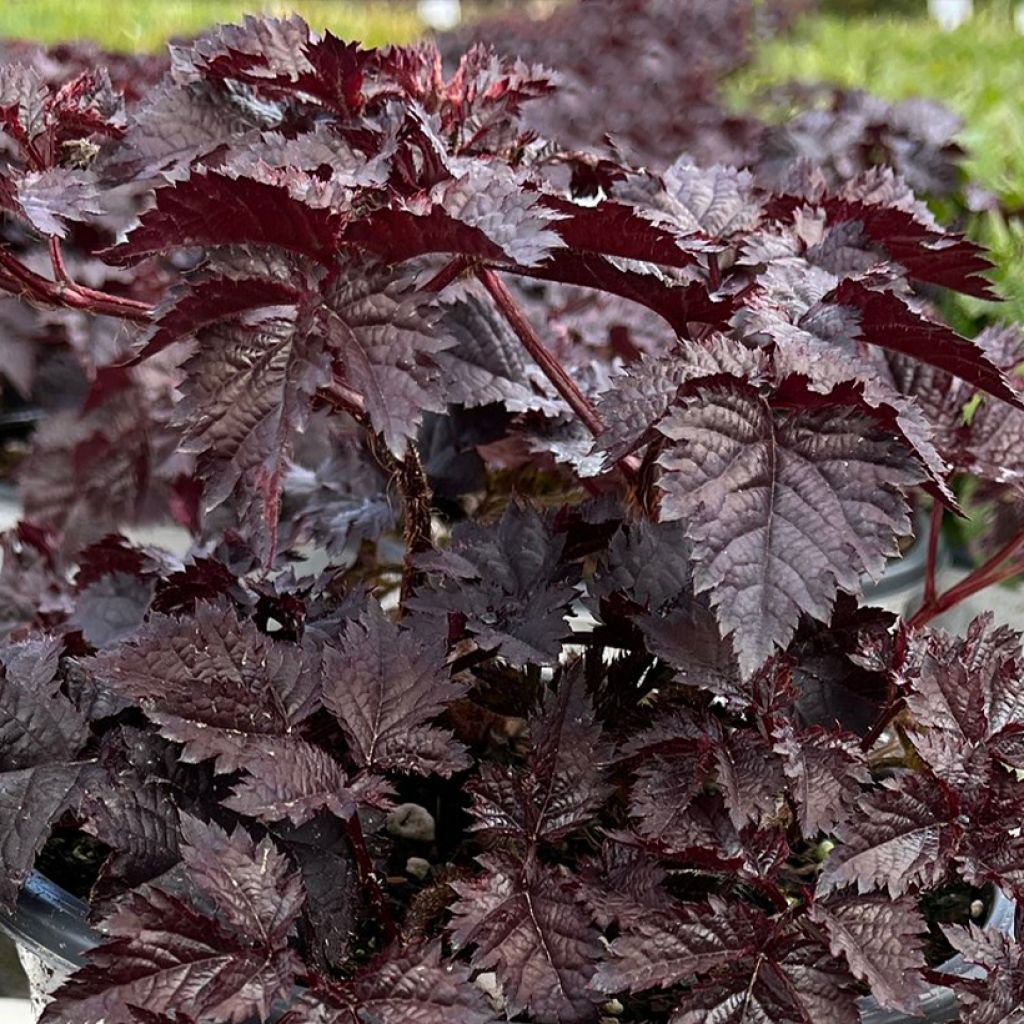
(563, 785)
(824, 771)
(887, 321)
(901, 838)
(31, 799)
(50, 198)
(376, 323)
(523, 923)
(402, 985)
(216, 299)
(509, 584)
(229, 693)
(38, 724)
(487, 362)
(716, 202)
(137, 819)
(160, 949)
(334, 897)
(880, 939)
(214, 209)
(965, 693)
(998, 955)
(248, 392)
(251, 884)
(643, 394)
(384, 685)
(750, 969)
(765, 498)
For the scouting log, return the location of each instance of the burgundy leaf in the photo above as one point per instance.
(508, 582)
(524, 923)
(251, 885)
(999, 957)
(563, 785)
(901, 838)
(38, 724)
(284, 779)
(964, 692)
(247, 394)
(229, 693)
(880, 939)
(216, 299)
(750, 969)
(384, 685)
(137, 819)
(376, 323)
(487, 362)
(31, 799)
(887, 321)
(824, 771)
(715, 201)
(213, 669)
(767, 496)
(50, 198)
(213, 209)
(642, 394)
(402, 985)
(161, 951)
(751, 776)
(334, 898)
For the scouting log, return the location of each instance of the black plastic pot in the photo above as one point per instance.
(52, 925)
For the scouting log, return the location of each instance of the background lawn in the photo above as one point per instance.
(147, 24)
(977, 70)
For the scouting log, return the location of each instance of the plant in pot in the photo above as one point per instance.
(583, 719)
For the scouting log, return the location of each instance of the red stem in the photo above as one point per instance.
(714, 272)
(553, 369)
(71, 295)
(368, 876)
(995, 570)
(934, 532)
(448, 273)
(60, 271)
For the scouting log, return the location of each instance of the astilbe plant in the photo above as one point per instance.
(607, 726)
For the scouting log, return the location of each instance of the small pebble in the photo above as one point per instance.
(488, 984)
(410, 821)
(417, 867)
(613, 1008)
(977, 908)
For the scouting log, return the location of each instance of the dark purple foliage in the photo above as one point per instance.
(534, 431)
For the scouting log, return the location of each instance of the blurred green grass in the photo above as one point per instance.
(147, 24)
(977, 70)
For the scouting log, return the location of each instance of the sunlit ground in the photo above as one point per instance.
(147, 24)
(977, 70)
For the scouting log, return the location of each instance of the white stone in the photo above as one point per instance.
(410, 821)
(417, 868)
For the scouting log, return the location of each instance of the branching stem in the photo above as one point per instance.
(66, 293)
(999, 567)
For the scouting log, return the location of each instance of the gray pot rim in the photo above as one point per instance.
(53, 925)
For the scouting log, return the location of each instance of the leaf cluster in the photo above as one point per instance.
(575, 700)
